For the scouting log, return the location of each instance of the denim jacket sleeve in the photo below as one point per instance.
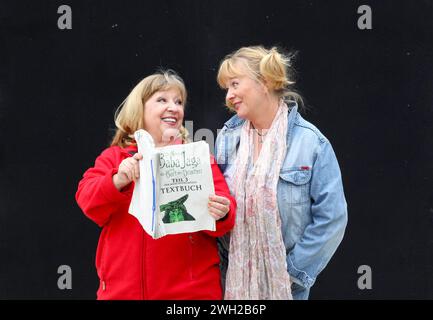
(220, 152)
(329, 219)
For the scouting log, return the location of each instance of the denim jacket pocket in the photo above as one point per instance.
(296, 185)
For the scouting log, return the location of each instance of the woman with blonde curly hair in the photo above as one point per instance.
(130, 263)
(285, 177)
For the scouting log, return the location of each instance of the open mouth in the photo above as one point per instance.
(169, 120)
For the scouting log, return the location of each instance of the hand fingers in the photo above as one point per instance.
(138, 156)
(222, 200)
(132, 165)
(135, 170)
(128, 170)
(222, 207)
(217, 214)
(125, 173)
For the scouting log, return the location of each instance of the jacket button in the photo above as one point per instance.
(191, 238)
(103, 285)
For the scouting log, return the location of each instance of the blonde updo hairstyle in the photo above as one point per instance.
(269, 66)
(129, 116)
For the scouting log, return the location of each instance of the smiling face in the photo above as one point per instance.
(246, 95)
(163, 115)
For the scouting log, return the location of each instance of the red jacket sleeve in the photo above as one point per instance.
(221, 189)
(96, 195)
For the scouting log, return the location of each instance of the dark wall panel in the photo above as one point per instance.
(369, 91)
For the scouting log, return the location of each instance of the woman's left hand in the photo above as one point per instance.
(218, 206)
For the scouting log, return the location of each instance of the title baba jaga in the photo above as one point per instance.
(179, 161)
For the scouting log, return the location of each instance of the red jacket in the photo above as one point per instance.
(133, 265)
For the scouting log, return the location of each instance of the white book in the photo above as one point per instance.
(172, 193)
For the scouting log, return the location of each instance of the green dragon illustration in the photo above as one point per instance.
(175, 211)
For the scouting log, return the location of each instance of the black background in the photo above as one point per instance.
(369, 91)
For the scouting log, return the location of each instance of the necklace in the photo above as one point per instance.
(261, 135)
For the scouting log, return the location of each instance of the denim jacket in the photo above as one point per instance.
(310, 198)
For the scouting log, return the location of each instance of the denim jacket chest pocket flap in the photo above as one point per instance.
(295, 185)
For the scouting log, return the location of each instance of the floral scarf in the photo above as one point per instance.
(257, 267)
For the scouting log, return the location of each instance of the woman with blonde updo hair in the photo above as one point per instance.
(130, 263)
(282, 171)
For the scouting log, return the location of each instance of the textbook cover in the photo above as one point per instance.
(172, 193)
